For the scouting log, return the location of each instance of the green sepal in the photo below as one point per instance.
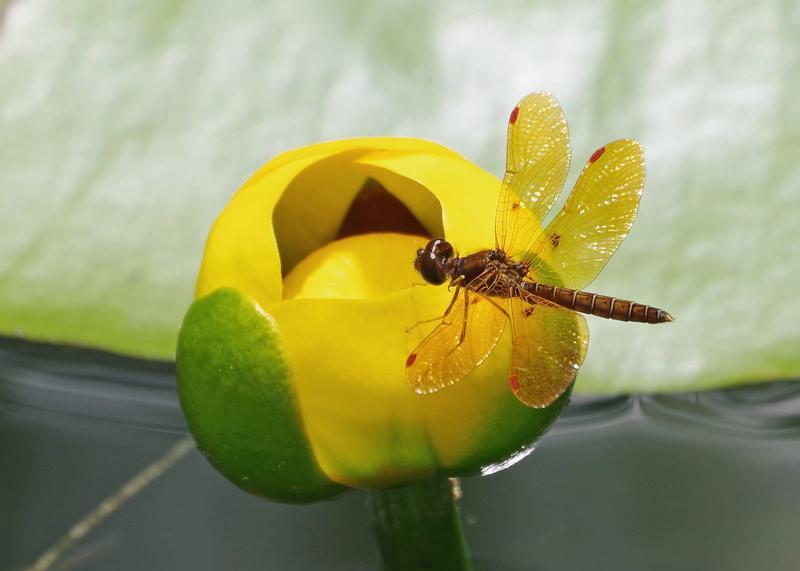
(237, 397)
(510, 437)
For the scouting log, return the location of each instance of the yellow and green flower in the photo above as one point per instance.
(291, 361)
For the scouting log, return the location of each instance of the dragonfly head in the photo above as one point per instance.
(435, 260)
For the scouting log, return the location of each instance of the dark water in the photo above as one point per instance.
(690, 481)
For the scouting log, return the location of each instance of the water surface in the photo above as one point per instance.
(686, 481)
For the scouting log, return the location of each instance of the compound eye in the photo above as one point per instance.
(418, 260)
(429, 263)
(442, 249)
(433, 272)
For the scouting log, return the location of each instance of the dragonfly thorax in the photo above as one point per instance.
(437, 262)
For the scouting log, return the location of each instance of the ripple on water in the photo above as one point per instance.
(95, 384)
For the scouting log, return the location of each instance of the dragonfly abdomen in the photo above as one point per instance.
(598, 304)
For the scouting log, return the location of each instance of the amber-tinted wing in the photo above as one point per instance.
(537, 162)
(549, 344)
(598, 215)
(462, 341)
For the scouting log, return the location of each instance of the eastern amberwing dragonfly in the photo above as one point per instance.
(534, 277)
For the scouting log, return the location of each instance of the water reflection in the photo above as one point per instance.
(620, 483)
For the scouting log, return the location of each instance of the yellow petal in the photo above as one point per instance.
(298, 198)
(345, 338)
(467, 194)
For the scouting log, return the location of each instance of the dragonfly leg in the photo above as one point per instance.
(466, 314)
(423, 322)
(497, 305)
(463, 324)
(456, 282)
(441, 317)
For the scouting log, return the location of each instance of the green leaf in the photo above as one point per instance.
(126, 126)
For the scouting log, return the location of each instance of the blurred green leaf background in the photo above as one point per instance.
(125, 126)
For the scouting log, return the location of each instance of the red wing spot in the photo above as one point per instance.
(515, 206)
(411, 358)
(597, 154)
(555, 239)
(528, 311)
(514, 382)
(474, 301)
(514, 115)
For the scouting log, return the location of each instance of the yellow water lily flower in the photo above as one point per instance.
(291, 361)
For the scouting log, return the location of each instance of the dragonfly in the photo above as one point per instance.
(534, 277)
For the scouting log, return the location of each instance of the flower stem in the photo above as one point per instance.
(417, 527)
